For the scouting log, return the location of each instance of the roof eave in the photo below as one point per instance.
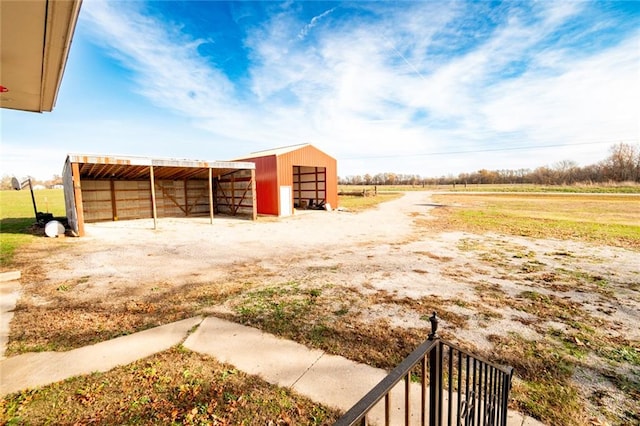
(36, 39)
(62, 18)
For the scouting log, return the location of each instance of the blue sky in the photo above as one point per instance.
(431, 88)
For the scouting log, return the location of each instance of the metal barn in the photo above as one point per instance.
(298, 176)
(109, 188)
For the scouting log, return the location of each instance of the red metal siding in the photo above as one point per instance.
(267, 192)
(274, 171)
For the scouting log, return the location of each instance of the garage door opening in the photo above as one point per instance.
(309, 187)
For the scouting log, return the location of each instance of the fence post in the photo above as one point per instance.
(435, 376)
(506, 387)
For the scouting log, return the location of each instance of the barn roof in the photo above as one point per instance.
(278, 151)
(132, 167)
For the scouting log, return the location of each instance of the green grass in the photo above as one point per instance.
(174, 387)
(388, 188)
(17, 217)
(17, 204)
(355, 203)
(278, 308)
(603, 219)
(545, 367)
(569, 189)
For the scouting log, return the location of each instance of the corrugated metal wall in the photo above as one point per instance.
(273, 171)
(267, 192)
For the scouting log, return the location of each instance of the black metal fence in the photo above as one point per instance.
(441, 384)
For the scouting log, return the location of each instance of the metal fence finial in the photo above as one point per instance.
(434, 326)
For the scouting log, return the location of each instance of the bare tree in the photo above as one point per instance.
(5, 182)
(565, 172)
(622, 163)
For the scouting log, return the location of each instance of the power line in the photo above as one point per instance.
(475, 151)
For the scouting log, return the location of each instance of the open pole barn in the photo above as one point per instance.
(110, 188)
(298, 176)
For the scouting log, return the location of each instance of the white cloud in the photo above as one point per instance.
(169, 69)
(313, 22)
(380, 85)
(23, 161)
(593, 98)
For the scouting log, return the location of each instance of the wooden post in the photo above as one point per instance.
(299, 184)
(77, 196)
(316, 179)
(186, 199)
(254, 202)
(153, 198)
(211, 194)
(233, 193)
(114, 207)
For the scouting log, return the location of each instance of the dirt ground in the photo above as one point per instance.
(380, 250)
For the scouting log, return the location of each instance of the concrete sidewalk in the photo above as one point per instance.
(9, 294)
(327, 379)
(42, 368)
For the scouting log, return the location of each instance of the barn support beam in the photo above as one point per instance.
(299, 182)
(316, 182)
(153, 198)
(233, 193)
(211, 195)
(114, 207)
(186, 199)
(166, 194)
(77, 196)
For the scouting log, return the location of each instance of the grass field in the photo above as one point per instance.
(17, 217)
(182, 387)
(175, 387)
(585, 189)
(606, 219)
(355, 203)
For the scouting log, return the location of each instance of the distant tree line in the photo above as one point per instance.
(5, 181)
(622, 165)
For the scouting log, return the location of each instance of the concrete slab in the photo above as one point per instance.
(9, 295)
(514, 418)
(39, 369)
(278, 361)
(530, 421)
(10, 276)
(338, 382)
